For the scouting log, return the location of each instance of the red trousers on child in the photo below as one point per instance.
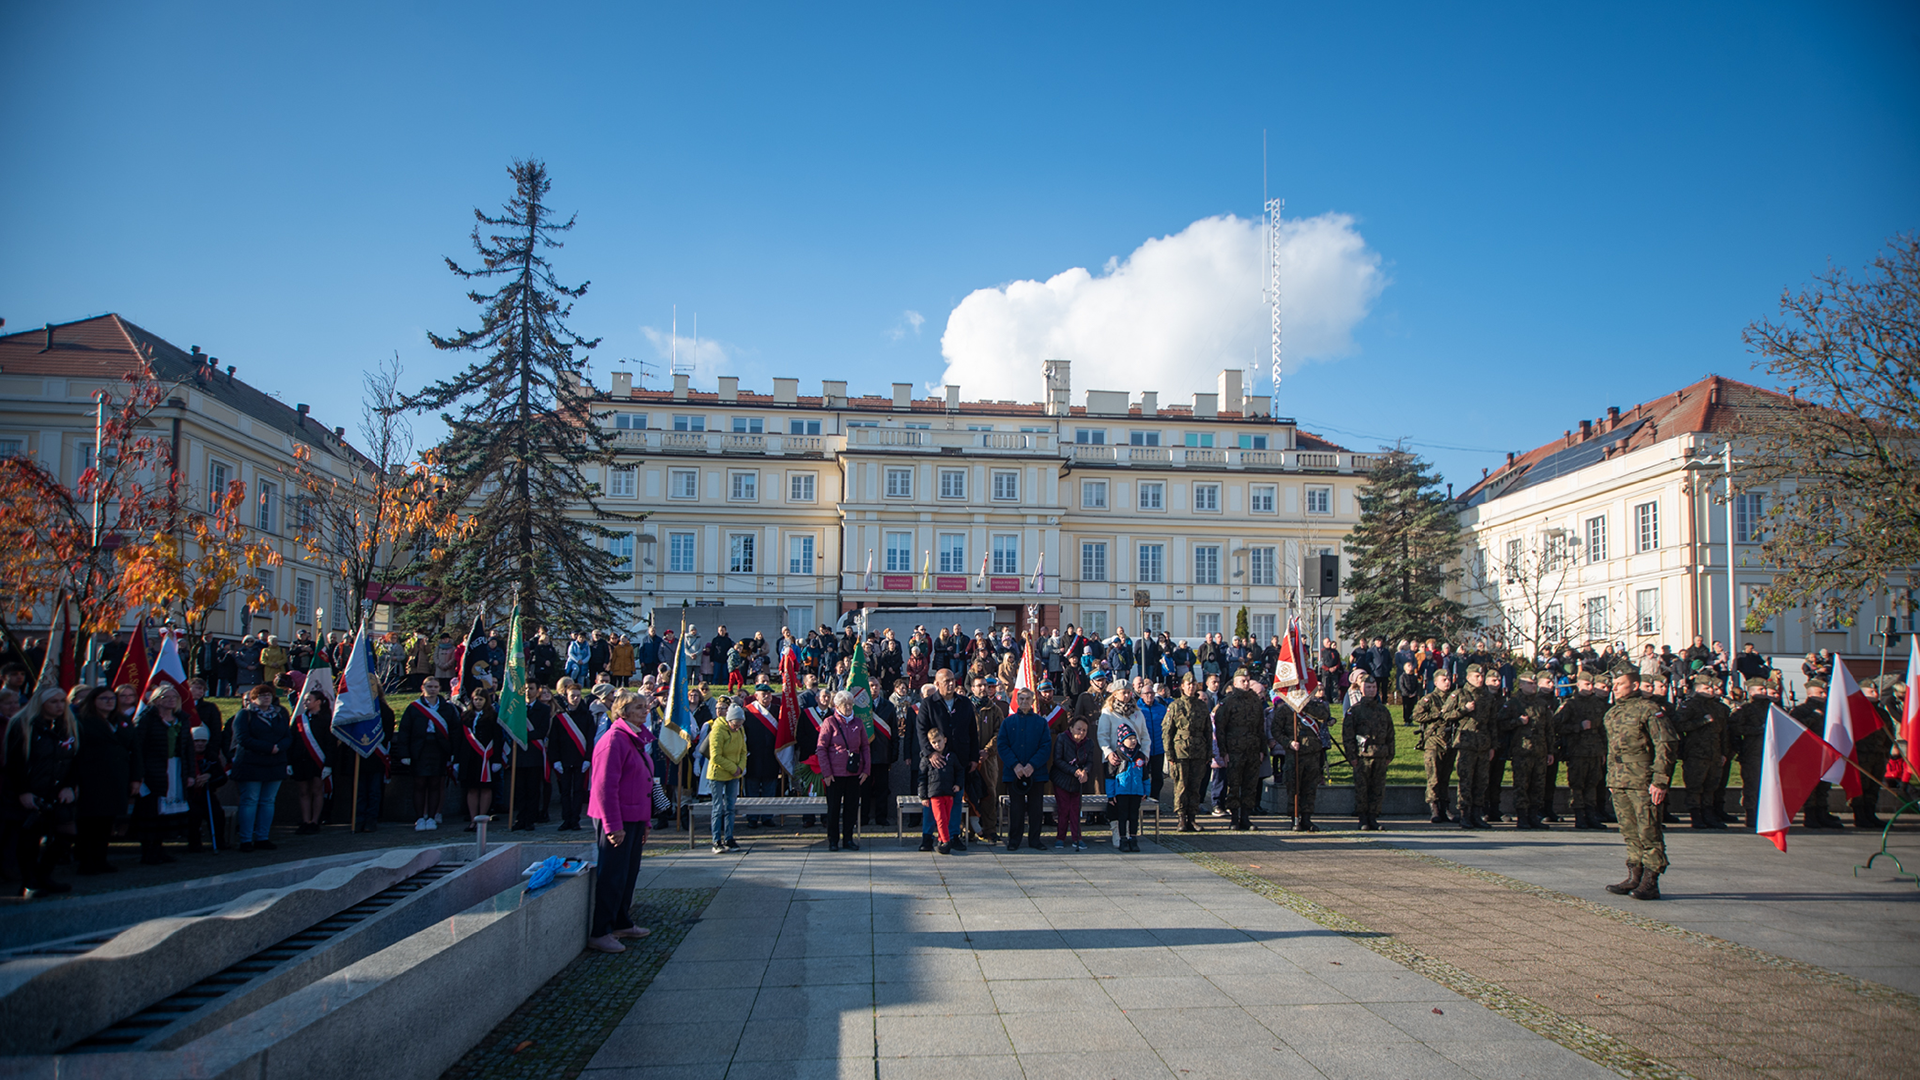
(942, 813)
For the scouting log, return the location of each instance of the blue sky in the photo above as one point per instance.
(1566, 208)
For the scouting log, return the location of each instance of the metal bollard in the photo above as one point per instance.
(480, 835)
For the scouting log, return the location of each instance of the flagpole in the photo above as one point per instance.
(513, 786)
(353, 815)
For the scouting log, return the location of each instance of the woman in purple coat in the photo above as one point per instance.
(620, 799)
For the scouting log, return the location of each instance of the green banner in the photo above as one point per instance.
(861, 687)
(513, 685)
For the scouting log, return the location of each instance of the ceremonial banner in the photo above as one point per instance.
(513, 685)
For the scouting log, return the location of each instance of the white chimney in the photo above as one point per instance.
(786, 391)
(622, 384)
(1059, 375)
(729, 388)
(902, 396)
(1206, 405)
(835, 393)
(953, 398)
(680, 388)
(1149, 403)
(1230, 396)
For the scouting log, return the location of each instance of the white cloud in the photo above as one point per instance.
(910, 323)
(708, 357)
(1169, 316)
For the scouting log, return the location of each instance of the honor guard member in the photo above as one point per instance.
(1531, 742)
(1503, 726)
(1581, 726)
(1187, 733)
(1701, 722)
(1312, 724)
(1812, 715)
(1242, 722)
(1640, 752)
(1366, 732)
(1436, 744)
(1473, 710)
(1748, 730)
(1871, 751)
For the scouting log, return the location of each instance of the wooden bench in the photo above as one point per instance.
(759, 806)
(906, 804)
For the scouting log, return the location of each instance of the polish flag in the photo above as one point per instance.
(168, 669)
(1910, 718)
(1850, 718)
(1790, 766)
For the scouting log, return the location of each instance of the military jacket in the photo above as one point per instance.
(1242, 722)
(1313, 736)
(1184, 731)
(1475, 713)
(1366, 730)
(1530, 720)
(1435, 729)
(1702, 724)
(1749, 721)
(1578, 709)
(1641, 745)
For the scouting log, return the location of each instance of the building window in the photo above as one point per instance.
(1646, 518)
(620, 546)
(82, 459)
(979, 427)
(1646, 611)
(1597, 539)
(1206, 564)
(917, 427)
(16, 447)
(1006, 485)
(1093, 562)
(1152, 622)
(1006, 553)
(1153, 495)
(218, 476)
(1749, 508)
(803, 427)
(748, 425)
(1143, 438)
(683, 484)
(1094, 622)
(740, 552)
(1253, 442)
(953, 483)
(1516, 551)
(899, 552)
(680, 553)
(1093, 494)
(1263, 565)
(622, 482)
(1596, 617)
(337, 615)
(1550, 622)
(1750, 600)
(1206, 498)
(799, 554)
(1200, 438)
(1319, 499)
(1153, 564)
(263, 518)
(1090, 436)
(630, 421)
(1263, 627)
(1260, 499)
(1830, 612)
(1206, 622)
(800, 487)
(302, 600)
(743, 486)
(899, 483)
(689, 423)
(1555, 554)
(953, 553)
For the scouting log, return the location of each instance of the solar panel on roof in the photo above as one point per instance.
(1560, 462)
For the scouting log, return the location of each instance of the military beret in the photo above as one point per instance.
(1821, 683)
(1243, 673)
(1186, 677)
(1476, 669)
(762, 688)
(1627, 672)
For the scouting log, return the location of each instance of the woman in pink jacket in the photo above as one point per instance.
(620, 798)
(844, 759)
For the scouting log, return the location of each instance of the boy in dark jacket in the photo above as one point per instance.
(939, 784)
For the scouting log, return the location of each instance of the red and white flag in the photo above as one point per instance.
(168, 669)
(1790, 766)
(981, 581)
(1910, 717)
(1850, 718)
(1028, 677)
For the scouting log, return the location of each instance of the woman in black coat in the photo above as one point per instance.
(39, 769)
(476, 755)
(262, 737)
(104, 769)
(311, 758)
(168, 767)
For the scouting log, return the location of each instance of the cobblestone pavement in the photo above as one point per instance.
(1619, 986)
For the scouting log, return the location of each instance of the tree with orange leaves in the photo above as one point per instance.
(189, 576)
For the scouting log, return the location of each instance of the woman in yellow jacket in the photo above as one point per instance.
(726, 763)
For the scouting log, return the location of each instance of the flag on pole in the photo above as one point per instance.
(926, 572)
(1039, 583)
(1910, 716)
(513, 685)
(57, 669)
(869, 582)
(860, 685)
(1850, 718)
(1029, 675)
(981, 581)
(783, 737)
(134, 666)
(679, 721)
(1294, 669)
(356, 708)
(463, 656)
(167, 669)
(1790, 766)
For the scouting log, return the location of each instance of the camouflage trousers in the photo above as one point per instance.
(1640, 828)
(1308, 784)
(1243, 781)
(1189, 785)
(1439, 772)
(1701, 766)
(1369, 784)
(1474, 770)
(1532, 786)
(1586, 777)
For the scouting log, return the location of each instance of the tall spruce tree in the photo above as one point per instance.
(523, 432)
(1401, 550)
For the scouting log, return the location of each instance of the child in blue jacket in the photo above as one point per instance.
(1128, 786)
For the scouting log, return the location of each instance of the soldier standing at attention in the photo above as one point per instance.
(1581, 726)
(1872, 750)
(1812, 715)
(1243, 739)
(1748, 729)
(1187, 733)
(1436, 744)
(1503, 726)
(1311, 725)
(1531, 745)
(1366, 730)
(1702, 727)
(1474, 711)
(1640, 752)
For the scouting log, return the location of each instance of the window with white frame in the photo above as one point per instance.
(979, 427)
(1263, 627)
(1153, 564)
(1749, 509)
(1554, 551)
(1151, 622)
(680, 552)
(1253, 442)
(1090, 436)
(11, 447)
(1200, 439)
(1263, 566)
(1006, 485)
(1206, 622)
(302, 600)
(799, 554)
(1319, 499)
(689, 423)
(1094, 621)
(1646, 611)
(749, 425)
(620, 546)
(1006, 553)
(1830, 612)
(801, 487)
(952, 549)
(1597, 539)
(1143, 438)
(803, 427)
(1206, 498)
(630, 421)
(1093, 494)
(1260, 498)
(740, 549)
(266, 507)
(1596, 609)
(1646, 521)
(1516, 554)
(899, 483)
(899, 547)
(219, 473)
(1206, 564)
(1749, 602)
(743, 485)
(953, 483)
(337, 614)
(1153, 495)
(82, 459)
(683, 483)
(622, 482)
(1093, 561)
(1551, 622)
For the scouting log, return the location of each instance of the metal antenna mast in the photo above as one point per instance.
(1275, 209)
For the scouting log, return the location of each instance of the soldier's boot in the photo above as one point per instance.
(1307, 817)
(1480, 819)
(1667, 816)
(1188, 824)
(1863, 815)
(1439, 814)
(1467, 818)
(1550, 816)
(1649, 887)
(1540, 821)
(1631, 883)
(1698, 819)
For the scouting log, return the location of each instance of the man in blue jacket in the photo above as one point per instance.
(1026, 752)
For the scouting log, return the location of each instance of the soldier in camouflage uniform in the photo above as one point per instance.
(1701, 722)
(1366, 731)
(1816, 812)
(1312, 725)
(1474, 711)
(1532, 741)
(1580, 724)
(1871, 751)
(1497, 765)
(1242, 723)
(1187, 733)
(1436, 744)
(1748, 731)
(1640, 752)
